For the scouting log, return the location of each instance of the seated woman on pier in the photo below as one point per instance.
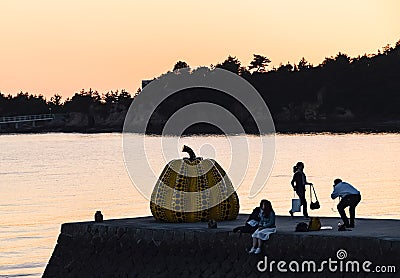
(266, 226)
(252, 221)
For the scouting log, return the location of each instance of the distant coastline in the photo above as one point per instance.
(81, 123)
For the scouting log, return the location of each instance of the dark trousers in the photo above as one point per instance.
(350, 201)
(302, 197)
(248, 229)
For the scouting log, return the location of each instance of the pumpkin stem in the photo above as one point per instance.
(188, 150)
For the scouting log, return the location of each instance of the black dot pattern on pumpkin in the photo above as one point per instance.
(214, 196)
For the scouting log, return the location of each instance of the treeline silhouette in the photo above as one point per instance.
(365, 87)
(86, 111)
(341, 89)
(86, 101)
(339, 94)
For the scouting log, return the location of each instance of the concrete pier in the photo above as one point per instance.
(142, 247)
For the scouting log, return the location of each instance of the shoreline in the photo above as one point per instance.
(280, 128)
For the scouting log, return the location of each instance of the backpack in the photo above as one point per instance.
(315, 224)
(301, 227)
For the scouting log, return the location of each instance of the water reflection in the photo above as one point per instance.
(49, 179)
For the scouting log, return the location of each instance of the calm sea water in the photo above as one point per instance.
(49, 179)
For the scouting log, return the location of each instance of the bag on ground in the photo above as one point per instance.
(301, 227)
(315, 224)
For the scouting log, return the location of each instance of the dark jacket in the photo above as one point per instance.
(247, 228)
(299, 181)
(255, 215)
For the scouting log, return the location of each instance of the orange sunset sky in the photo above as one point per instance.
(50, 47)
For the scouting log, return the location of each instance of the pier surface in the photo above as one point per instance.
(143, 247)
(374, 228)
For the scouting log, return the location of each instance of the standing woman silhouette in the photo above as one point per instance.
(299, 182)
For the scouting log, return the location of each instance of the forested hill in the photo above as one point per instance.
(341, 91)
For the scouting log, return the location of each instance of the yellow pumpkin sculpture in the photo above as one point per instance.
(194, 189)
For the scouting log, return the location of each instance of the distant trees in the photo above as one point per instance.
(124, 98)
(303, 64)
(22, 104)
(83, 101)
(338, 64)
(363, 87)
(386, 49)
(91, 101)
(259, 63)
(86, 101)
(232, 64)
(55, 104)
(285, 68)
(180, 65)
(110, 98)
(56, 100)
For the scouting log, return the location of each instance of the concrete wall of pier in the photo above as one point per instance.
(99, 250)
